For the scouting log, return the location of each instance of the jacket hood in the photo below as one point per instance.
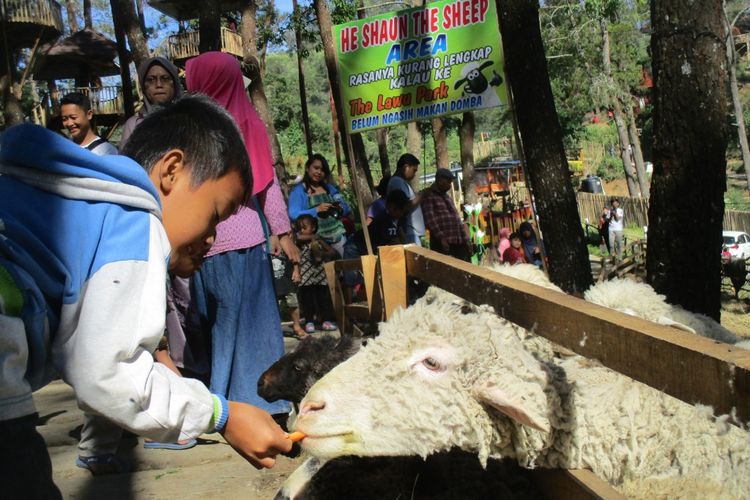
(50, 162)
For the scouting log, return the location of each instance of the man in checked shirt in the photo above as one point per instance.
(448, 234)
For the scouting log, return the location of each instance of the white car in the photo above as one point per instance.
(737, 244)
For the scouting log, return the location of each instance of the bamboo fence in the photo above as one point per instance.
(590, 206)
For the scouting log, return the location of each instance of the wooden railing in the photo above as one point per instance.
(39, 12)
(104, 101)
(185, 45)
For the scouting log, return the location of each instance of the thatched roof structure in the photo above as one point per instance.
(184, 10)
(86, 52)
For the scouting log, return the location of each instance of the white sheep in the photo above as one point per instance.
(633, 298)
(443, 374)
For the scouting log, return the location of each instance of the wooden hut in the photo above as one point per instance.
(31, 22)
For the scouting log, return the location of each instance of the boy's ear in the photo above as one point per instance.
(90, 115)
(169, 170)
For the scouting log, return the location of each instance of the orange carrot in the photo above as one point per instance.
(296, 436)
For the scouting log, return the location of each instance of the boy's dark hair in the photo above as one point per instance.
(306, 217)
(514, 236)
(78, 99)
(406, 159)
(203, 130)
(397, 198)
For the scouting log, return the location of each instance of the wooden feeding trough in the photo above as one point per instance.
(691, 368)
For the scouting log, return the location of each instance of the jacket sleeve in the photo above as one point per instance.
(111, 333)
(298, 202)
(274, 208)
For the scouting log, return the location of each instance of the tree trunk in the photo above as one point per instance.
(413, 139)
(691, 136)
(258, 95)
(440, 138)
(136, 38)
(141, 17)
(209, 24)
(546, 165)
(739, 116)
(264, 48)
(302, 91)
(466, 141)
(70, 10)
(336, 139)
(640, 166)
(622, 132)
(381, 135)
(127, 85)
(87, 20)
(359, 168)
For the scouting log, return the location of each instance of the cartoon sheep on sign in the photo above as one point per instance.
(476, 83)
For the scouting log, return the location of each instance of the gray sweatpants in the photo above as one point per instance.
(615, 243)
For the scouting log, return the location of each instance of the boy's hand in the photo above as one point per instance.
(254, 435)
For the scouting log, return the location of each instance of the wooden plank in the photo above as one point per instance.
(577, 484)
(393, 276)
(348, 264)
(357, 311)
(688, 367)
(372, 287)
(337, 295)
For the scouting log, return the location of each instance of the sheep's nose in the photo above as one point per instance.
(311, 407)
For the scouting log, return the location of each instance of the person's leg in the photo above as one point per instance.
(216, 297)
(99, 436)
(325, 304)
(292, 302)
(611, 243)
(618, 237)
(25, 466)
(259, 341)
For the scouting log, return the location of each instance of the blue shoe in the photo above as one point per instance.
(180, 445)
(103, 464)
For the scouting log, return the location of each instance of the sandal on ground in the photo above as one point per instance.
(179, 445)
(299, 334)
(310, 327)
(329, 326)
(104, 464)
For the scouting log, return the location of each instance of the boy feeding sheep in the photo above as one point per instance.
(86, 245)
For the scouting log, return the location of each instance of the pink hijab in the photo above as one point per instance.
(218, 75)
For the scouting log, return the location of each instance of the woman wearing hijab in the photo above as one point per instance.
(531, 247)
(233, 291)
(160, 85)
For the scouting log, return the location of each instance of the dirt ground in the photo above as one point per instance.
(209, 470)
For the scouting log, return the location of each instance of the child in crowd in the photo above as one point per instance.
(504, 243)
(514, 253)
(77, 117)
(313, 288)
(286, 276)
(87, 243)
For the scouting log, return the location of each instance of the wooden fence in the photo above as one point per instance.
(39, 12)
(185, 45)
(636, 211)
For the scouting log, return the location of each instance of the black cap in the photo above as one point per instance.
(444, 173)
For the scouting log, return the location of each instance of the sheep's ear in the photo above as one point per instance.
(516, 407)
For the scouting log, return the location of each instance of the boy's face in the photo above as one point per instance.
(410, 171)
(395, 211)
(306, 227)
(77, 121)
(516, 243)
(190, 214)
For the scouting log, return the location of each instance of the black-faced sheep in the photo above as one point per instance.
(437, 379)
(294, 373)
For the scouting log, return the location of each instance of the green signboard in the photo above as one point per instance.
(416, 64)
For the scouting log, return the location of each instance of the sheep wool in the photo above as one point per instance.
(445, 374)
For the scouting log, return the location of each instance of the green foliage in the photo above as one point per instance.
(610, 168)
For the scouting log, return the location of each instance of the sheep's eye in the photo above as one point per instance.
(297, 368)
(432, 364)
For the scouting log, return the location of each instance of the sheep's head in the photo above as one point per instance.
(440, 375)
(291, 376)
